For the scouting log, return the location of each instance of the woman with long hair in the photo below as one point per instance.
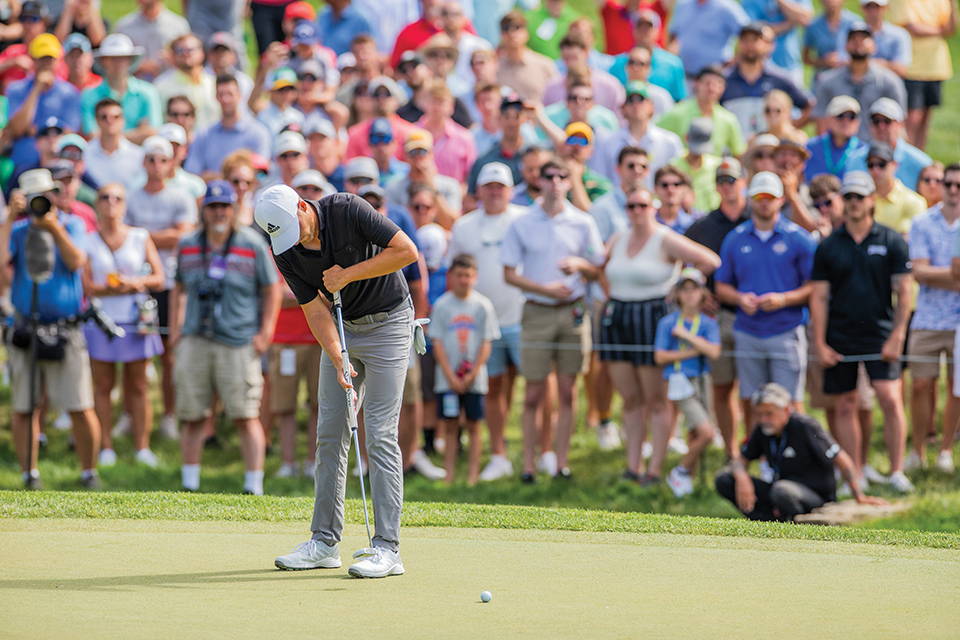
(778, 110)
(238, 170)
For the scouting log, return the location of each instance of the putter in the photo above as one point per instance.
(351, 408)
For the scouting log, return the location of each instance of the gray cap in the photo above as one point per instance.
(731, 168)
(858, 182)
(371, 189)
(880, 150)
(842, 104)
(772, 393)
(698, 137)
(316, 124)
(888, 108)
(361, 167)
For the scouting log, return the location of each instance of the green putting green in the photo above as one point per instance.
(81, 578)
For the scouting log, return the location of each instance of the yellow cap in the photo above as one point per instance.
(45, 45)
(580, 129)
(419, 139)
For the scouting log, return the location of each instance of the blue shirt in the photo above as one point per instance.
(786, 54)
(709, 330)
(706, 31)
(213, 145)
(826, 157)
(682, 223)
(401, 217)
(910, 162)
(609, 211)
(338, 33)
(666, 71)
(61, 100)
(821, 39)
(781, 263)
(747, 101)
(60, 296)
(931, 238)
(893, 44)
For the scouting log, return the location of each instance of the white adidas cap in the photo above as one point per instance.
(276, 213)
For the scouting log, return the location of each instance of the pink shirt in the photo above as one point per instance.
(358, 136)
(455, 150)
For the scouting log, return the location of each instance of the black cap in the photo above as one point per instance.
(511, 101)
(758, 27)
(407, 57)
(710, 69)
(880, 150)
(34, 8)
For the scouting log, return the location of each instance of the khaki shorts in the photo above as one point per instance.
(558, 334)
(286, 372)
(205, 367)
(413, 385)
(724, 369)
(925, 343)
(69, 382)
(696, 408)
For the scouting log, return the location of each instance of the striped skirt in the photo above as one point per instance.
(628, 330)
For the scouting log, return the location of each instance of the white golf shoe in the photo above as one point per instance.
(900, 482)
(288, 470)
(945, 462)
(678, 446)
(148, 458)
(608, 436)
(426, 468)
(680, 482)
(913, 462)
(498, 467)
(123, 426)
(312, 554)
(548, 463)
(377, 563)
(107, 458)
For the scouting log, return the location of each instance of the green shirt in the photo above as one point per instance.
(727, 136)
(546, 32)
(595, 184)
(704, 180)
(140, 102)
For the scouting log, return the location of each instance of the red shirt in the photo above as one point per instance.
(358, 137)
(619, 28)
(85, 213)
(292, 327)
(92, 80)
(16, 73)
(415, 34)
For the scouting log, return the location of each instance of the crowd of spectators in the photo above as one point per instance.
(674, 213)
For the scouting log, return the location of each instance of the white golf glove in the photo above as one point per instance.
(419, 339)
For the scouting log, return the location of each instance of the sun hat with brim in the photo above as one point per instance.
(71, 140)
(842, 104)
(579, 129)
(276, 213)
(495, 173)
(796, 147)
(440, 42)
(220, 192)
(691, 274)
(45, 45)
(858, 182)
(766, 183)
(119, 45)
(282, 78)
(36, 181)
(762, 141)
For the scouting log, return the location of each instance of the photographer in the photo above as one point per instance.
(51, 241)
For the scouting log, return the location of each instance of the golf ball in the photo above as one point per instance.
(486, 596)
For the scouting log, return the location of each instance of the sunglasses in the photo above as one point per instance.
(726, 180)
(951, 185)
(180, 114)
(848, 197)
(578, 99)
(378, 139)
(110, 197)
(510, 28)
(182, 51)
(820, 204)
(72, 155)
(308, 77)
(632, 206)
(361, 180)
(764, 197)
(633, 62)
(848, 115)
(554, 176)
(670, 185)
(635, 98)
(769, 111)
(932, 180)
(417, 153)
(879, 164)
(763, 155)
(382, 95)
(879, 120)
(290, 155)
(29, 19)
(157, 160)
(578, 141)
(633, 166)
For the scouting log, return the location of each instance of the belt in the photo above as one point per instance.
(372, 318)
(555, 306)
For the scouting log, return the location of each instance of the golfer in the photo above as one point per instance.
(341, 243)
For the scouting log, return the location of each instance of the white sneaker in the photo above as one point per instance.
(288, 471)
(766, 471)
(945, 462)
(872, 475)
(498, 467)
(360, 468)
(107, 458)
(913, 462)
(377, 563)
(426, 468)
(122, 428)
(680, 481)
(646, 450)
(548, 463)
(312, 554)
(678, 446)
(608, 436)
(168, 427)
(439, 445)
(900, 482)
(63, 422)
(148, 458)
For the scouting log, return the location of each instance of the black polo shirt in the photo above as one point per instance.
(860, 316)
(804, 453)
(350, 231)
(710, 231)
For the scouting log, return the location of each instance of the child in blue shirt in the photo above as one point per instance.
(686, 340)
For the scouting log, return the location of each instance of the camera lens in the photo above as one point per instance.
(39, 205)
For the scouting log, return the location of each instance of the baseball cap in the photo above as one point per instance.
(281, 78)
(372, 189)
(580, 129)
(313, 178)
(383, 82)
(693, 274)
(731, 168)
(157, 145)
(698, 136)
(880, 150)
(361, 167)
(220, 192)
(637, 88)
(495, 172)
(276, 213)
(842, 104)
(45, 45)
(381, 131)
(312, 67)
(346, 60)
(648, 16)
(173, 132)
(758, 27)
(316, 124)
(289, 141)
(304, 33)
(77, 41)
(53, 122)
(34, 9)
(299, 11)
(432, 240)
(888, 108)
(409, 57)
(511, 101)
(223, 39)
(859, 27)
(418, 139)
(881, 3)
(259, 162)
(766, 182)
(858, 182)
(62, 169)
(71, 140)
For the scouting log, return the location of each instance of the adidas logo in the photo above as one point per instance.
(272, 228)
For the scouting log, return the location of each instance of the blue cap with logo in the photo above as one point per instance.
(304, 33)
(380, 130)
(220, 192)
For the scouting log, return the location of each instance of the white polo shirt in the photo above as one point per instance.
(125, 165)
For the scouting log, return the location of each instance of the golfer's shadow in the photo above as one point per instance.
(175, 580)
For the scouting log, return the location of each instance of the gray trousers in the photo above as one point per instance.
(379, 347)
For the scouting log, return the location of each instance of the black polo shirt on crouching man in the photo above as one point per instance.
(350, 231)
(860, 316)
(803, 453)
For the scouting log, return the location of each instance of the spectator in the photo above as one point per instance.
(580, 106)
(168, 213)
(853, 315)
(832, 150)
(416, 107)
(387, 19)
(123, 265)
(531, 159)
(306, 48)
(418, 153)
(383, 150)
(787, 16)
(522, 68)
(801, 482)
(323, 147)
(583, 27)
(513, 117)
(661, 145)
(821, 45)
(933, 325)
(708, 88)
(710, 231)
(610, 210)
(177, 137)
(153, 26)
(766, 273)
(278, 112)
(666, 68)
(412, 36)
(886, 126)
(71, 147)
(118, 57)
(688, 332)
(239, 172)
(930, 183)
(548, 25)
(226, 276)
(791, 158)
(63, 172)
(453, 146)
(311, 184)
(66, 374)
(81, 17)
(189, 78)
(290, 158)
(269, 16)
(643, 268)
(441, 56)
(863, 78)
(224, 56)
(484, 67)
(671, 184)
(180, 111)
(112, 155)
(777, 110)
(480, 234)
(219, 20)
(929, 24)
(895, 204)
(700, 166)
(750, 80)
(759, 156)
(454, 23)
(235, 130)
(893, 46)
(315, 99)
(638, 66)
(607, 91)
(387, 97)
(701, 32)
(16, 61)
(78, 56)
(585, 185)
(339, 23)
(554, 310)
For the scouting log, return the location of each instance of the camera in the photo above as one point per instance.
(39, 205)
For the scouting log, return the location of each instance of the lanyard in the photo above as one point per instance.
(835, 167)
(218, 265)
(681, 344)
(776, 454)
